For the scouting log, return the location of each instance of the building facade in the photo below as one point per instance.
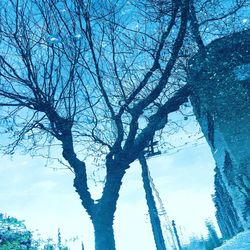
(220, 81)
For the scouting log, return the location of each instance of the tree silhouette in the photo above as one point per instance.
(97, 78)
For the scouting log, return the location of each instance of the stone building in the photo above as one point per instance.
(220, 82)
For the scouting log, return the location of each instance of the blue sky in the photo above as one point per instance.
(46, 199)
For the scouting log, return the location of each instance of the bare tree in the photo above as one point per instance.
(78, 74)
(96, 78)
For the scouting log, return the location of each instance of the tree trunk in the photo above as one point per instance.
(103, 216)
(102, 213)
(104, 234)
(153, 213)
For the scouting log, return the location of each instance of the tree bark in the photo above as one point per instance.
(153, 213)
(104, 233)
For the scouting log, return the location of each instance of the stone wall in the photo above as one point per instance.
(220, 82)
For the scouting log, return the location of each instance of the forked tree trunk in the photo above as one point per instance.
(102, 213)
(153, 213)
